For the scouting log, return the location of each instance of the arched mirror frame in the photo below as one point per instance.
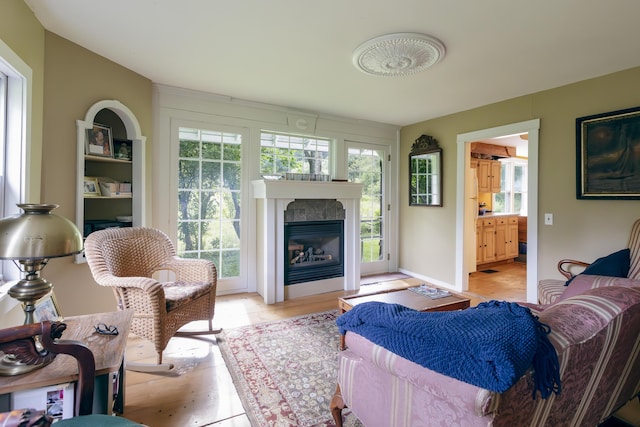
(425, 151)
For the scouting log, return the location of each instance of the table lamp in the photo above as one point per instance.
(31, 239)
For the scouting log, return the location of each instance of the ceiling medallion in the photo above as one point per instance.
(398, 54)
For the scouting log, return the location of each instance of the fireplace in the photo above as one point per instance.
(314, 251)
(281, 204)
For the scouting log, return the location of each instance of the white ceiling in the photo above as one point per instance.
(297, 53)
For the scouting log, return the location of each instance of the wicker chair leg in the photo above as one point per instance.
(195, 333)
(148, 367)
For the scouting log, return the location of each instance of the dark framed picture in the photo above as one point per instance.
(99, 141)
(122, 149)
(608, 155)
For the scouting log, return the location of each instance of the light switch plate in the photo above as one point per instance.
(548, 219)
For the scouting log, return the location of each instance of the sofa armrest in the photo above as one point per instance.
(566, 265)
(467, 397)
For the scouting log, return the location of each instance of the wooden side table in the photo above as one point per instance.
(108, 351)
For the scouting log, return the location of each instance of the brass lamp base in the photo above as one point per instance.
(10, 366)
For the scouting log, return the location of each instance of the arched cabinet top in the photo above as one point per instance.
(126, 115)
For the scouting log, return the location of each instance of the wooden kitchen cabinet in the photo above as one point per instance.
(488, 172)
(487, 241)
(512, 241)
(497, 239)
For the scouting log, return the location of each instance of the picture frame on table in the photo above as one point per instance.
(46, 308)
(99, 141)
(91, 187)
(608, 155)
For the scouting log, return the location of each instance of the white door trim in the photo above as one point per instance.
(532, 127)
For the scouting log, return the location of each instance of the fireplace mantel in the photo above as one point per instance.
(272, 200)
(283, 189)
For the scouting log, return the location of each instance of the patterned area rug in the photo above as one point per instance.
(285, 372)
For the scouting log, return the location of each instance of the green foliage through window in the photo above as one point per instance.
(281, 153)
(209, 171)
(365, 167)
(513, 182)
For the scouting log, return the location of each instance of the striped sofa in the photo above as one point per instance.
(549, 290)
(595, 334)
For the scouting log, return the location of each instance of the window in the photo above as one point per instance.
(513, 183)
(281, 153)
(3, 137)
(15, 85)
(209, 198)
(366, 168)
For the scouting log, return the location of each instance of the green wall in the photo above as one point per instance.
(582, 229)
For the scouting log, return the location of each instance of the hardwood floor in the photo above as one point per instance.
(200, 391)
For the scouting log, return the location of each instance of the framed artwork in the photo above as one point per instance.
(47, 309)
(99, 141)
(608, 155)
(91, 187)
(122, 149)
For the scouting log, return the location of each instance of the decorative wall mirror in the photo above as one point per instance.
(425, 172)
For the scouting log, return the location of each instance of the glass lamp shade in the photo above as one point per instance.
(38, 234)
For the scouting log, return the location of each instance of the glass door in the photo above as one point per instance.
(367, 165)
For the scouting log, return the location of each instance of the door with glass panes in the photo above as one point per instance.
(367, 164)
(209, 217)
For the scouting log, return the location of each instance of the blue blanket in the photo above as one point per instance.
(491, 345)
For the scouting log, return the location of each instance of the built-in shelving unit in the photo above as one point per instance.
(95, 211)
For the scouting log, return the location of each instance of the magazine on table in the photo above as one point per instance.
(430, 291)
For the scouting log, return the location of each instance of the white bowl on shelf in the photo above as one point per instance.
(127, 218)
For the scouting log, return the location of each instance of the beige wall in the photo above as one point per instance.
(76, 79)
(583, 229)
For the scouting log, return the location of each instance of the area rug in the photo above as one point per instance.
(285, 371)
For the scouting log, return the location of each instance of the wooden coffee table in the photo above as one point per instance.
(406, 298)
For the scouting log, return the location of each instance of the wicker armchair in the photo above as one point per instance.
(126, 259)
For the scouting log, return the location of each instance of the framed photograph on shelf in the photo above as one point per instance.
(122, 149)
(99, 141)
(608, 155)
(47, 309)
(91, 186)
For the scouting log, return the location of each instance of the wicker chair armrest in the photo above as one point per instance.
(147, 284)
(565, 265)
(191, 270)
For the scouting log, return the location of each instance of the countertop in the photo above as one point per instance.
(491, 214)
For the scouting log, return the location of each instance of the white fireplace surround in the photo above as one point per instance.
(272, 199)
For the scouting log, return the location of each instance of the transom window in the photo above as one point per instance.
(282, 153)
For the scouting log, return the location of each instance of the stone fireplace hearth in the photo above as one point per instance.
(273, 199)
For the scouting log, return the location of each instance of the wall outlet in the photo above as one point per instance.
(548, 219)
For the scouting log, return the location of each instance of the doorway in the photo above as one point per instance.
(530, 127)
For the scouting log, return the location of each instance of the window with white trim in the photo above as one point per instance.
(15, 80)
(281, 153)
(513, 183)
(209, 182)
